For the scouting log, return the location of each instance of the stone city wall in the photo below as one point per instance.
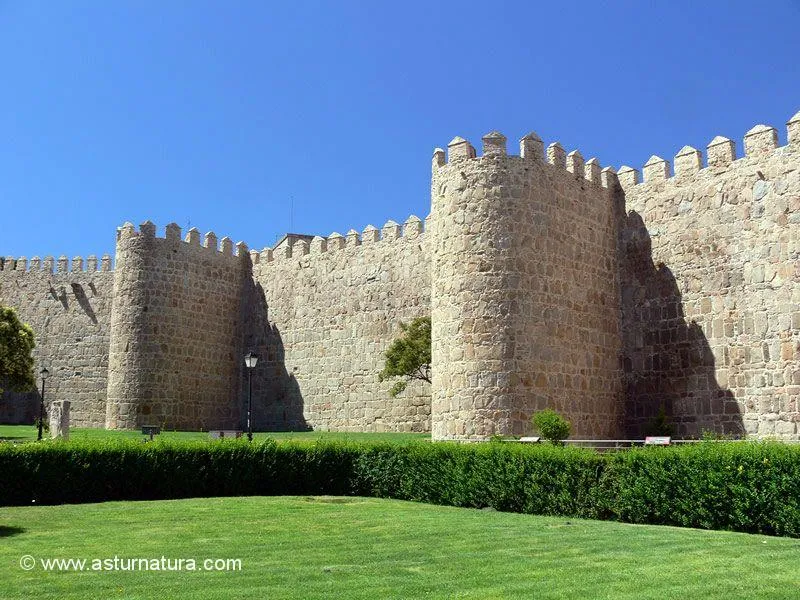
(711, 287)
(176, 330)
(551, 283)
(69, 308)
(525, 301)
(326, 311)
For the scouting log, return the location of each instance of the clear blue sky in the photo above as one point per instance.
(216, 113)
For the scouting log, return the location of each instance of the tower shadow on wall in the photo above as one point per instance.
(277, 399)
(19, 408)
(667, 363)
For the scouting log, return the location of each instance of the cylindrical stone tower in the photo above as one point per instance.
(474, 288)
(176, 333)
(128, 326)
(525, 295)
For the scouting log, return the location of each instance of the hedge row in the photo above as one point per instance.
(750, 487)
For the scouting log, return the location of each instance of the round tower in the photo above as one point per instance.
(126, 359)
(474, 288)
(525, 296)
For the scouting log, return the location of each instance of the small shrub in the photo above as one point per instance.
(709, 435)
(551, 426)
(45, 425)
(660, 425)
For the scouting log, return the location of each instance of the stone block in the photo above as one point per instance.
(793, 129)
(688, 161)
(575, 164)
(656, 169)
(556, 155)
(531, 147)
(628, 176)
(721, 152)
(761, 139)
(460, 149)
(591, 170)
(494, 144)
(59, 419)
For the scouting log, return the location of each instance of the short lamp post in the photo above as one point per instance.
(44, 374)
(250, 361)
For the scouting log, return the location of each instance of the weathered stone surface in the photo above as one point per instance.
(70, 313)
(59, 419)
(175, 343)
(551, 283)
(709, 286)
(330, 318)
(525, 300)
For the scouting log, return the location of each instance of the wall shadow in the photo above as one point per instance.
(83, 302)
(667, 364)
(277, 399)
(20, 408)
(60, 296)
(9, 531)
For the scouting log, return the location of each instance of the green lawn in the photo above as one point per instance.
(27, 433)
(293, 547)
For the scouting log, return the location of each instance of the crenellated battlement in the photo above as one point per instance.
(172, 233)
(531, 148)
(413, 228)
(60, 265)
(759, 142)
(551, 281)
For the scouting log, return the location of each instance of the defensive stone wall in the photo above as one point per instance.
(525, 302)
(711, 287)
(69, 308)
(551, 282)
(176, 329)
(329, 310)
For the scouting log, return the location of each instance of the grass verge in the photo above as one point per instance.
(28, 433)
(327, 547)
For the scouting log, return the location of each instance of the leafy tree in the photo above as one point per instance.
(409, 356)
(551, 425)
(16, 344)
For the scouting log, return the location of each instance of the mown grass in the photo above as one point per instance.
(325, 547)
(28, 433)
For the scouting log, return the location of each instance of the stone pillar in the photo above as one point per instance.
(59, 419)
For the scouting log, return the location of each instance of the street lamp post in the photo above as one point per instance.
(250, 361)
(44, 373)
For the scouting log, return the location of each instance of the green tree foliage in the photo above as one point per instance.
(16, 344)
(551, 425)
(409, 356)
(660, 424)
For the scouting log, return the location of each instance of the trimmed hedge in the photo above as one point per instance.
(750, 487)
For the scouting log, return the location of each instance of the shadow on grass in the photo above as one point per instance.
(9, 531)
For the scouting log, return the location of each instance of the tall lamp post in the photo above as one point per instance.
(44, 374)
(250, 361)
